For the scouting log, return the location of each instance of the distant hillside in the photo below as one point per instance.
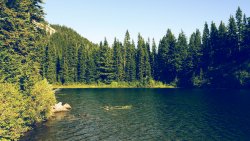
(61, 55)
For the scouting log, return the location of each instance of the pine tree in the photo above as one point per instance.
(239, 22)
(232, 39)
(91, 64)
(140, 58)
(182, 53)
(81, 65)
(206, 48)
(166, 58)
(118, 61)
(126, 55)
(153, 61)
(21, 56)
(106, 66)
(213, 43)
(147, 60)
(222, 52)
(51, 68)
(133, 63)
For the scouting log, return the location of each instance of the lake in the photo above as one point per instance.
(149, 114)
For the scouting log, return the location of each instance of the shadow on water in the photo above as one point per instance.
(149, 114)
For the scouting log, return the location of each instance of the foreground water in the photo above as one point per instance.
(149, 114)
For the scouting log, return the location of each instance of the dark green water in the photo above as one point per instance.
(155, 115)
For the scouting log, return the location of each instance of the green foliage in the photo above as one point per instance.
(105, 64)
(18, 112)
(11, 112)
(146, 83)
(21, 53)
(42, 99)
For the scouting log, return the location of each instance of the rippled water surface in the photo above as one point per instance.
(149, 114)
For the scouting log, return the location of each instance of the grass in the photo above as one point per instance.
(151, 84)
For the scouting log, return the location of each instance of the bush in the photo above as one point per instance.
(12, 108)
(42, 99)
(19, 111)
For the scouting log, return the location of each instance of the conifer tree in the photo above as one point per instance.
(206, 48)
(118, 61)
(153, 61)
(239, 22)
(140, 58)
(222, 52)
(81, 65)
(232, 38)
(147, 60)
(106, 66)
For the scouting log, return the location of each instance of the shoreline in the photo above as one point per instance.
(83, 86)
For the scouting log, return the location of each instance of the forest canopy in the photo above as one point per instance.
(216, 57)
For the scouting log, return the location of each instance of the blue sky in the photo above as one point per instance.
(96, 19)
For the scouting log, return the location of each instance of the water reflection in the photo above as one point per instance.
(149, 114)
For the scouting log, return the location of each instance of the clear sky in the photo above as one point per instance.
(96, 19)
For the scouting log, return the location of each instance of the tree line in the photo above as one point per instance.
(218, 57)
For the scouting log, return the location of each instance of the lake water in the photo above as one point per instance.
(149, 114)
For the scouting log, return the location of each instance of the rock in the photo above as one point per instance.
(67, 106)
(61, 108)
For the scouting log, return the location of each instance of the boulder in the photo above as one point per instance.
(61, 108)
(67, 106)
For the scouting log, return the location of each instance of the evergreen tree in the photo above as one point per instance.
(166, 58)
(81, 65)
(153, 61)
(20, 57)
(106, 66)
(118, 59)
(213, 43)
(133, 63)
(147, 60)
(51, 68)
(222, 52)
(140, 58)
(239, 22)
(232, 39)
(206, 48)
(91, 64)
(126, 55)
(182, 54)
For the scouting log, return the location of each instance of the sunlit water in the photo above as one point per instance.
(151, 114)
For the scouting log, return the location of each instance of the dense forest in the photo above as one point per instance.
(218, 57)
(25, 97)
(29, 56)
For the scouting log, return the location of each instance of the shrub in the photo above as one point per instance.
(12, 108)
(19, 110)
(42, 99)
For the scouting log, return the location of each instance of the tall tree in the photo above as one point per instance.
(126, 55)
(106, 66)
(206, 48)
(232, 38)
(118, 61)
(153, 61)
(81, 65)
(182, 54)
(222, 52)
(140, 58)
(213, 42)
(147, 60)
(22, 56)
(167, 72)
(239, 22)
